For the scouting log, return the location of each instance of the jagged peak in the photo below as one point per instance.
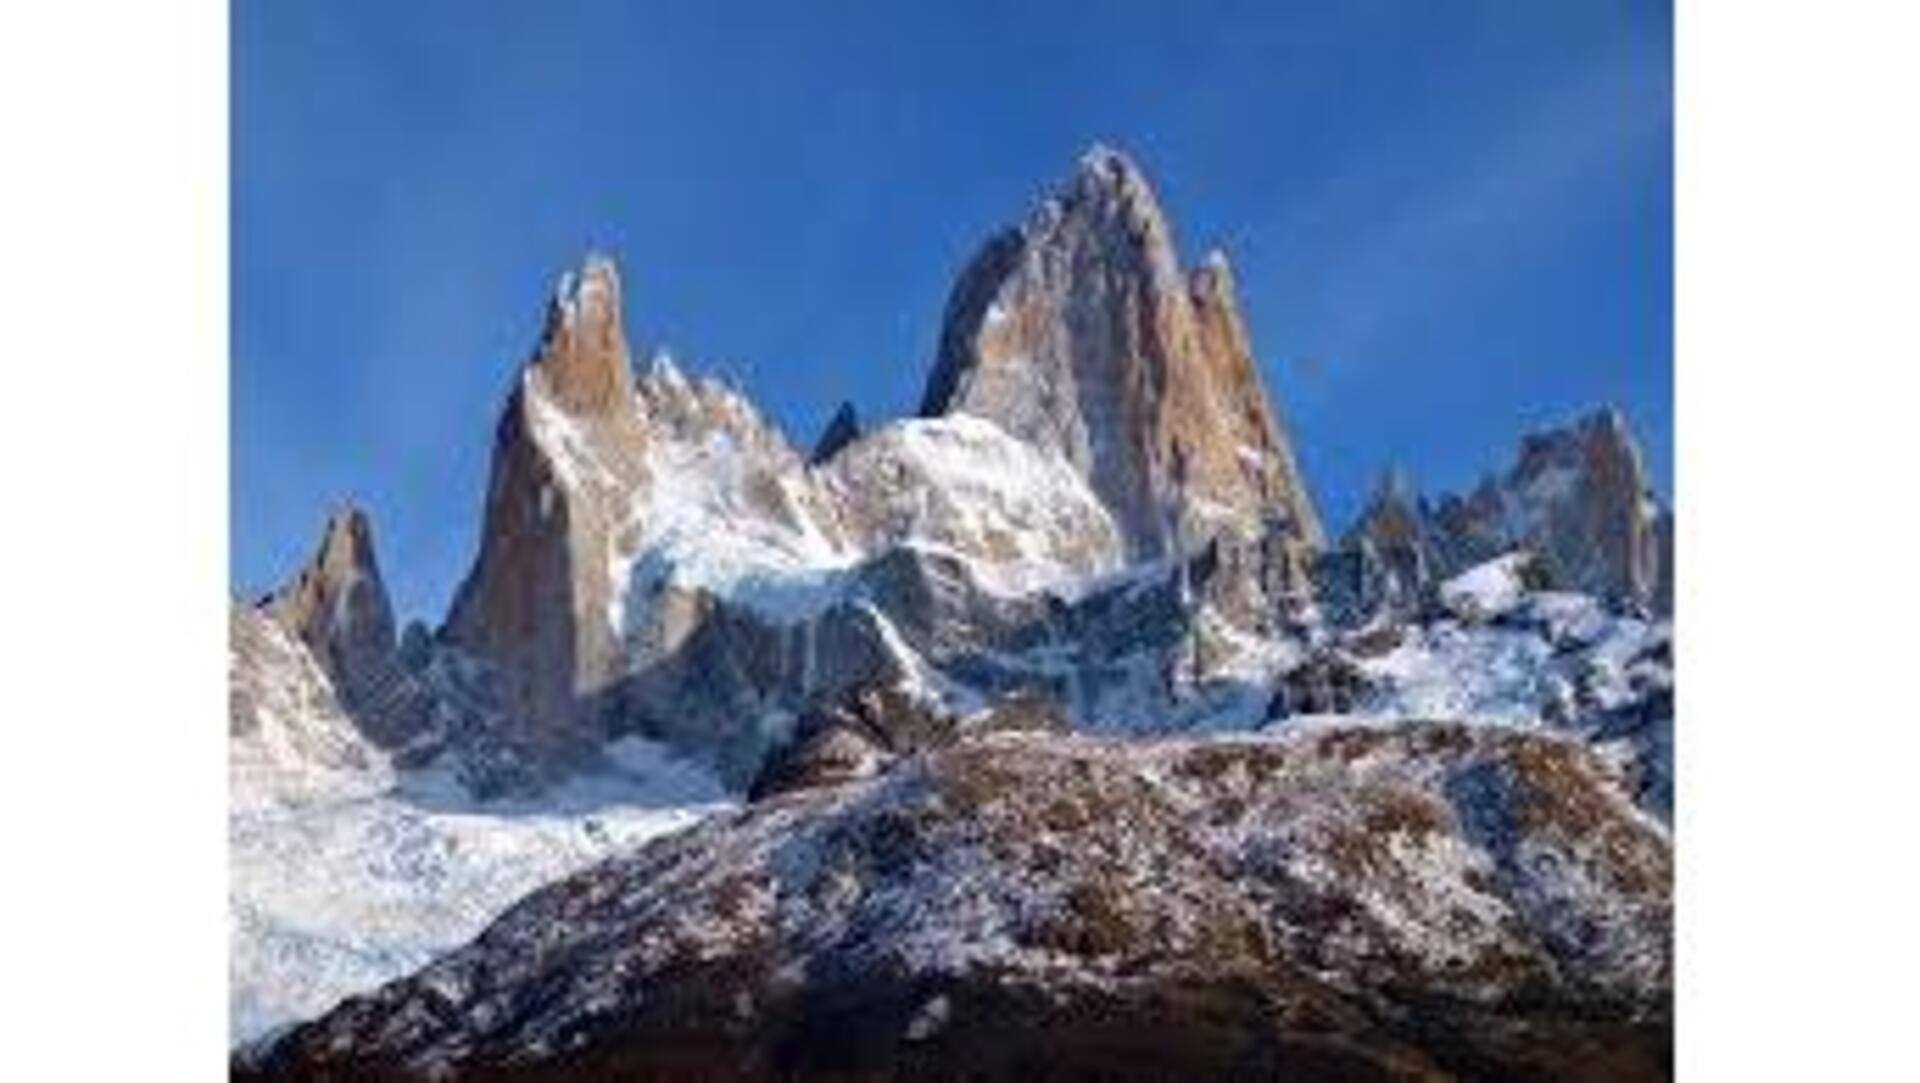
(1603, 432)
(1212, 281)
(337, 602)
(1394, 486)
(1607, 421)
(663, 369)
(582, 355)
(1104, 164)
(345, 553)
(666, 379)
(593, 287)
(1101, 155)
(675, 402)
(1107, 196)
(1610, 418)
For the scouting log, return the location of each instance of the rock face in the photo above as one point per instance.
(1080, 333)
(567, 452)
(1663, 548)
(337, 607)
(656, 558)
(1429, 902)
(842, 430)
(1579, 498)
(1327, 682)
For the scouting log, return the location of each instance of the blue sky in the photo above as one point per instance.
(1450, 221)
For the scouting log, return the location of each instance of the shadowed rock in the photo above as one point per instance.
(1577, 497)
(337, 607)
(862, 731)
(842, 430)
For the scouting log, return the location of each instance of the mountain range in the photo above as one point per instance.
(1048, 731)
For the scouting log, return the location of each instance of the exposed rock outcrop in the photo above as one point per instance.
(568, 452)
(842, 430)
(1079, 332)
(866, 729)
(1092, 405)
(1430, 902)
(1327, 682)
(1663, 547)
(337, 606)
(1579, 498)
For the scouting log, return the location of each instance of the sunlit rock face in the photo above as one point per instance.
(1080, 332)
(568, 452)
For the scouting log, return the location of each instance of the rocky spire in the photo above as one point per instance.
(1079, 332)
(1577, 496)
(1583, 498)
(567, 458)
(337, 606)
(583, 351)
(1392, 532)
(844, 429)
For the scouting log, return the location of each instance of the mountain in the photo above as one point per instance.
(567, 450)
(337, 607)
(353, 861)
(657, 559)
(1576, 496)
(1422, 902)
(1079, 332)
(1579, 497)
(1055, 717)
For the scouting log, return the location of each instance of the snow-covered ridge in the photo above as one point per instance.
(289, 740)
(730, 507)
(345, 871)
(1022, 518)
(723, 504)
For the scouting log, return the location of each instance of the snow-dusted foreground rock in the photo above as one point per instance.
(1429, 901)
(336, 897)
